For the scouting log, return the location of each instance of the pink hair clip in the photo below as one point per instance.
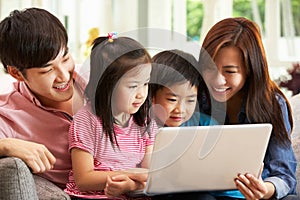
(111, 36)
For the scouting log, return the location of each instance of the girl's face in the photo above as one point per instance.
(228, 77)
(176, 104)
(131, 91)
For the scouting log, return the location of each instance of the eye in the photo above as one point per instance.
(46, 71)
(230, 71)
(191, 100)
(133, 86)
(66, 58)
(172, 99)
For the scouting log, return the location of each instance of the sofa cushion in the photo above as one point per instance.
(295, 104)
(16, 180)
(47, 190)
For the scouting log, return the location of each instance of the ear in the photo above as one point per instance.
(14, 72)
(153, 99)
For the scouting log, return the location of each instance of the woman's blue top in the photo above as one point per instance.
(279, 162)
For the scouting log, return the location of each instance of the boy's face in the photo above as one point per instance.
(53, 83)
(175, 104)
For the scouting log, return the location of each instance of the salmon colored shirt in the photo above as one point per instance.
(23, 117)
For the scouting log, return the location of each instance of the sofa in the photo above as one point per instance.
(18, 183)
(295, 104)
(296, 146)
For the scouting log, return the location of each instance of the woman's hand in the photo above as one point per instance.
(254, 188)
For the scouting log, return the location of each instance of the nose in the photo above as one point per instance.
(63, 73)
(220, 78)
(142, 92)
(180, 107)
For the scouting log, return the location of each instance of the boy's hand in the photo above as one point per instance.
(36, 156)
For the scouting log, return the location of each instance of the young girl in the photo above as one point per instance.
(113, 133)
(239, 82)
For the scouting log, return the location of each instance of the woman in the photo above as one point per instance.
(235, 69)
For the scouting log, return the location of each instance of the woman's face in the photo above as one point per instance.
(225, 79)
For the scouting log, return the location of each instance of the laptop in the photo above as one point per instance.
(204, 158)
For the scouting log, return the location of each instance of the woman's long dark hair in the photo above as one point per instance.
(110, 60)
(261, 93)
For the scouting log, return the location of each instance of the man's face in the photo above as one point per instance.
(52, 84)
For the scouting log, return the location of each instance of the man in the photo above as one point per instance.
(35, 115)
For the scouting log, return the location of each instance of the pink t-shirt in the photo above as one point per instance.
(86, 133)
(23, 117)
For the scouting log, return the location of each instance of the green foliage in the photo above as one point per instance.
(242, 8)
(296, 15)
(194, 18)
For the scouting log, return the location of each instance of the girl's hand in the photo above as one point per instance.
(254, 188)
(120, 184)
(138, 174)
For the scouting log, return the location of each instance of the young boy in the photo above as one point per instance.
(174, 87)
(35, 115)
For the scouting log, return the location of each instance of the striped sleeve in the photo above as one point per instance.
(82, 131)
(153, 131)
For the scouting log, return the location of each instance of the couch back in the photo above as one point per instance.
(295, 104)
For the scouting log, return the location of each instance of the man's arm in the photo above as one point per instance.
(36, 156)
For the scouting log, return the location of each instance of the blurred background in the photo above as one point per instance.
(182, 24)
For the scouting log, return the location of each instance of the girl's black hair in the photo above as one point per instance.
(110, 60)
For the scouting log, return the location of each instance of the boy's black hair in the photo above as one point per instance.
(172, 67)
(30, 38)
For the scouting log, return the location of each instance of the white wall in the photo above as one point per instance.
(5, 82)
(125, 17)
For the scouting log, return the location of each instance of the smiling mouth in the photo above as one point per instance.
(220, 89)
(62, 87)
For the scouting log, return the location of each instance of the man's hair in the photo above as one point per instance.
(30, 38)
